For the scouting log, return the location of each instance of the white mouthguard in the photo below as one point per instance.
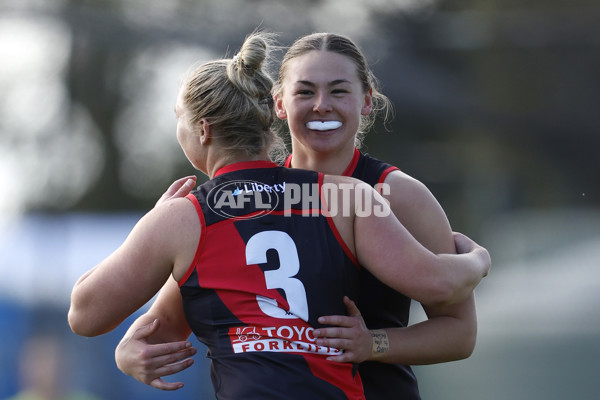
(323, 125)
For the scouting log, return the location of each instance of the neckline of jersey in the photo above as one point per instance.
(245, 165)
(347, 172)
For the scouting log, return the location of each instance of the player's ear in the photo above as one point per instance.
(205, 131)
(279, 107)
(368, 103)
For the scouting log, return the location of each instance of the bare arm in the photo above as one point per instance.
(449, 333)
(384, 246)
(123, 282)
(436, 340)
(155, 344)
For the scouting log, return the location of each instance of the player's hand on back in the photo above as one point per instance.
(148, 363)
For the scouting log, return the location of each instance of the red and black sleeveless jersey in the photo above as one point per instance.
(380, 305)
(268, 264)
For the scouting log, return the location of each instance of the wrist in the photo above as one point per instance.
(381, 344)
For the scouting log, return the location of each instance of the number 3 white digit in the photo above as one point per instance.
(281, 278)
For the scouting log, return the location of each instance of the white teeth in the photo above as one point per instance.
(323, 125)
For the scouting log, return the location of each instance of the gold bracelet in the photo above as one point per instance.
(381, 344)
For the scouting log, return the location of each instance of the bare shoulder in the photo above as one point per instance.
(173, 217)
(404, 190)
(418, 210)
(175, 211)
(174, 227)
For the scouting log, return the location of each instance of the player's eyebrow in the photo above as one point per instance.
(332, 83)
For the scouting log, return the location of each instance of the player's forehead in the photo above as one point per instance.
(321, 66)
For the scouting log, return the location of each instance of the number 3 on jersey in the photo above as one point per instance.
(281, 278)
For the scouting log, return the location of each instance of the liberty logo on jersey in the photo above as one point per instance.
(259, 187)
(244, 199)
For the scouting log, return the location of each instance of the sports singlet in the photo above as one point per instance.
(380, 305)
(267, 266)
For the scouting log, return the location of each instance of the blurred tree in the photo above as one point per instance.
(102, 47)
(495, 106)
